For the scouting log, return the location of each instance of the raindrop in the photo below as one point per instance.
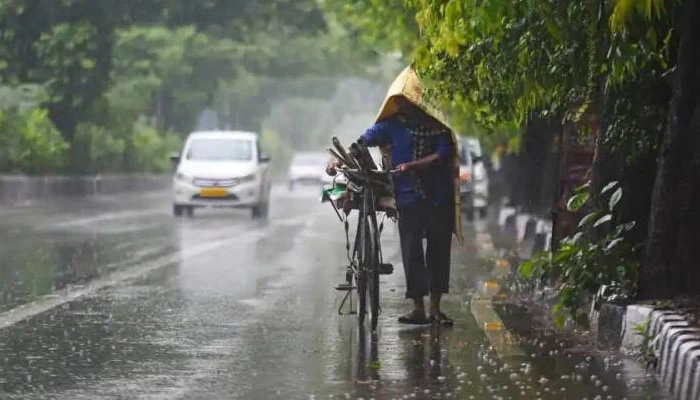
(606, 389)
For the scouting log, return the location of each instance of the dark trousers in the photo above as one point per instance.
(427, 270)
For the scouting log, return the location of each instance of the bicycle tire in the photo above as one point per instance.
(373, 271)
(361, 276)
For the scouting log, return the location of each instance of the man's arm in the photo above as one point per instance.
(442, 153)
(377, 134)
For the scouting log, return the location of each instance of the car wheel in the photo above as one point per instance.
(261, 210)
(177, 210)
(483, 212)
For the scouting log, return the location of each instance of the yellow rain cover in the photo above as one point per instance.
(408, 85)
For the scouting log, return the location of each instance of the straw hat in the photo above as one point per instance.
(407, 86)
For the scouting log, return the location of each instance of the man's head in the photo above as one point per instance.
(413, 112)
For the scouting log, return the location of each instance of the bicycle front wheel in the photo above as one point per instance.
(362, 275)
(373, 270)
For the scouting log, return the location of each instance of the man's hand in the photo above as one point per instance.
(403, 168)
(332, 168)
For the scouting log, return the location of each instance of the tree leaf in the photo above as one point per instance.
(609, 187)
(605, 218)
(526, 269)
(613, 243)
(559, 320)
(589, 218)
(615, 198)
(583, 188)
(577, 201)
(628, 226)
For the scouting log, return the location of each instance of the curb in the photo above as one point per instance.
(529, 230)
(481, 303)
(16, 189)
(676, 345)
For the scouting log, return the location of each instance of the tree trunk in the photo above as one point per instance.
(671, 264)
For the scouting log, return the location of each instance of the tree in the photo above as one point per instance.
(673, 245)
(505, 62)
(106, 65)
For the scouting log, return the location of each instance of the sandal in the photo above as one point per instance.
(414, 318)
(441, 319)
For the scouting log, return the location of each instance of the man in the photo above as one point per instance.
(422, 151)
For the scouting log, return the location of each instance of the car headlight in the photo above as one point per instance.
(248, 178)
(182, 177)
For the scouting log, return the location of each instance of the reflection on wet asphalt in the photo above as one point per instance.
(221, 306)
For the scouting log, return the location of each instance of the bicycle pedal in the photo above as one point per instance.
(386, 269)
(344, 287)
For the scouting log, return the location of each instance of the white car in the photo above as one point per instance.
(479, 176)
(306, 168)
(221, 169)
(473, 176)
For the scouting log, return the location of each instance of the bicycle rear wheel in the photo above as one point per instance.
(373, 269)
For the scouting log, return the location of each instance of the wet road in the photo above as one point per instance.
(114, 298)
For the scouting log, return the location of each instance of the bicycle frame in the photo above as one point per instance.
(366, 187)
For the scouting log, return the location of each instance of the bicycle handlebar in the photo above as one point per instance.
(356, 171)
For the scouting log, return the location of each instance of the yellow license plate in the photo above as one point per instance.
(213, 192)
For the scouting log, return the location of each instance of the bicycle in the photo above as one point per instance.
(366, 187)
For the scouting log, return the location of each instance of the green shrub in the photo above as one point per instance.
(29, 142)
(103, 151)
(597, 254)
(150, 149)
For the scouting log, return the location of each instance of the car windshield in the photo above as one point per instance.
(220, 150)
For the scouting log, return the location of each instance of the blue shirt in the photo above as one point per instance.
(437, 180)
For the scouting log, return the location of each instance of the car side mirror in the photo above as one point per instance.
(264, 158)
(175, 157)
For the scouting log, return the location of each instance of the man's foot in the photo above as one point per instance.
(414, 318)
(440, 318)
